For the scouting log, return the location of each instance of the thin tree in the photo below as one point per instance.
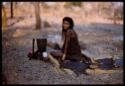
(37, 15)
(11, 8)
(4, 17)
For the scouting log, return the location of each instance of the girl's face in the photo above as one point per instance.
(66, 25)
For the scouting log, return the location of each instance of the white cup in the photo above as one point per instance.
(45, 55)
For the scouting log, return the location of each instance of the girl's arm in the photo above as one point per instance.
(67, 38)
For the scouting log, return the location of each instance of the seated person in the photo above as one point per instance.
(71, 49)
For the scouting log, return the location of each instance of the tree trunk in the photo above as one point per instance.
(4, 18)
(11, 7)
(114, 16)
(37, 15)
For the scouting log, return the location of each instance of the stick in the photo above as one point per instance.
(32, 48)
(54, 61)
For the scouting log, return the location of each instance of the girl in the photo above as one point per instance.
(71, 49)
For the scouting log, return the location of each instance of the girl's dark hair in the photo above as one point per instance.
(70, 20)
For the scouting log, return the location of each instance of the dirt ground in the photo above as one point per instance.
(101, 40)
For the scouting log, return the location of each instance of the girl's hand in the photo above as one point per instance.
(63, 57)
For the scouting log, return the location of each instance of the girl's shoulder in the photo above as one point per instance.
(71, 32)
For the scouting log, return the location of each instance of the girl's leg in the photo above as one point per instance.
(56, 64)
(57, 54)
